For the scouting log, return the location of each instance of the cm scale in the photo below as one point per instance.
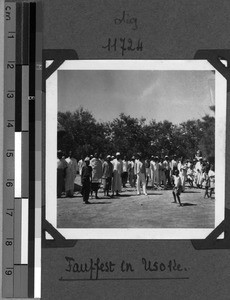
(21, 256)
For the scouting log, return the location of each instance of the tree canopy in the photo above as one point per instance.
(128, 135)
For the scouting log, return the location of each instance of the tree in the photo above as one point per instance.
(83, 134)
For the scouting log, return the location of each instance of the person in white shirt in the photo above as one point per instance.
(173, 165)
(182, 168)
(140, 171)
(80, 165)
(152, 172)
(166, 166)
(124, 174)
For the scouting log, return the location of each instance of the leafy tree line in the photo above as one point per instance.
(80, 132)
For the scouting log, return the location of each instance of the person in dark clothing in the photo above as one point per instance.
(86, 178)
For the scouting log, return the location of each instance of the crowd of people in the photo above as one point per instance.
(114, 172)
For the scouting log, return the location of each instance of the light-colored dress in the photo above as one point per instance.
(71, 173)
(96, 165)
(211, 175)
(117, 170)
(199, 174)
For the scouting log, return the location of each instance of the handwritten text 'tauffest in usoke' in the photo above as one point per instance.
(94, 268)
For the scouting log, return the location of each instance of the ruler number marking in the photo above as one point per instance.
(8, 13)
(9, 183)
(9, 243)
(9, 124)
(9, 154)
(10, 95)
(10, 213)
(8, 271)
(10, 66)
(11, 35)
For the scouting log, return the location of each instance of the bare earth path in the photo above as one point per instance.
(131, 211)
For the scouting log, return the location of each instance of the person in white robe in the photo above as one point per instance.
(199, 174)
(71, 172)
(117, 171)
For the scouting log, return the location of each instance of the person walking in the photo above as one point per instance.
(177, 188)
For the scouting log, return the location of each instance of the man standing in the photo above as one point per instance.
(132, 176)
(124, 174)
(140, 171)
(71, 173)
(166, 166)
(173, 165)
(107, 173)
(86, 178)
(157, 172)
(152, 172)
(117, 170)
(148, 173)
(61, 173)
(80, 165)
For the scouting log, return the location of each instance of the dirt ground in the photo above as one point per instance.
(132, 211)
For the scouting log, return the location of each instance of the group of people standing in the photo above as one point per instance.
(113, 173)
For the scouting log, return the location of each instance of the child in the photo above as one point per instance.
(206, 182)
(177, 187)
(211, 175)
(190, 175)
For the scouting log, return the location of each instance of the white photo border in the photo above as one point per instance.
(51, 149)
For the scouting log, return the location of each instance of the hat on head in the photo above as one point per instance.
(118, 153)
(108, 156)
(87, 159)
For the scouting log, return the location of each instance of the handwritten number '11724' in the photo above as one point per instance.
(123, 45)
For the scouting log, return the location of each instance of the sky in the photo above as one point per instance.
(176, 96)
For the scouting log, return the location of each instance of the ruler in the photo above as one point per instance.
(21, 243)
(8, 148)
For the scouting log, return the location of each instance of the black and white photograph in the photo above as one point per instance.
(138, 146)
